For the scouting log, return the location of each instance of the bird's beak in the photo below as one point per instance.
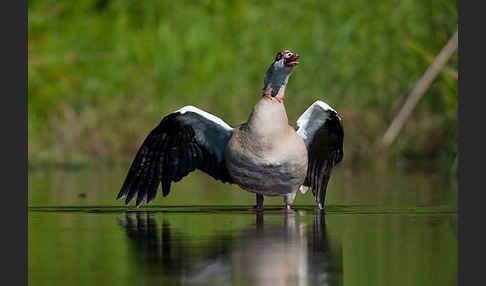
(292, 60)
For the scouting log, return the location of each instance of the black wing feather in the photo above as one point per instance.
(181, 143)
(323, 135)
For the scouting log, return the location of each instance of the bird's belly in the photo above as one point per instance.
(266, 177)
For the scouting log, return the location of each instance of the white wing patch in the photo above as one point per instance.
(204, 114)
(304, 119)
(323, 105)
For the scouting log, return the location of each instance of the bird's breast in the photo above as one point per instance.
(271, 168)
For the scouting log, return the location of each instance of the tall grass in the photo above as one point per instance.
(103, 73)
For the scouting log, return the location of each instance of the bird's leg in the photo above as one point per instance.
(289, 200)
(259, 201)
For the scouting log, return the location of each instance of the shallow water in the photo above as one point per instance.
(389, 229)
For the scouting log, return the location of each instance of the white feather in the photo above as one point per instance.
(305, 117)
(303, 189)
(323, 105)
(203, 113)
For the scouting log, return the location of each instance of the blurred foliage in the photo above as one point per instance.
(103, 73)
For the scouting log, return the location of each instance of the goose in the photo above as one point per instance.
(264, 155)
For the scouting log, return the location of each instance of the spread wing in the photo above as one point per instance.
(185, 140)
(321, 129)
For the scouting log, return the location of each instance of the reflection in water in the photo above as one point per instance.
(286, 253)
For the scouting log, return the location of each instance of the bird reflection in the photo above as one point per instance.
(287, 253)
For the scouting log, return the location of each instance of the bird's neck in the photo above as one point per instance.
(279, 98)
(268, 118)
(275, 83)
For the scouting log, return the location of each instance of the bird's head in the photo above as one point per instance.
(286, 59)
(279, 72)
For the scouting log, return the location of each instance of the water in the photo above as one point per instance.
(378, 229)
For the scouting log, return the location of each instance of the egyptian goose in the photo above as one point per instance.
(265, 155)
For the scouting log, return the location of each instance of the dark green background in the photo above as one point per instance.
(103, 73)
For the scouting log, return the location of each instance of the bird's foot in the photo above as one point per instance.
(259, 205)
(288, 208)
(256, 208)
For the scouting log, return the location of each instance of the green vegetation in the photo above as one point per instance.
(103, 73)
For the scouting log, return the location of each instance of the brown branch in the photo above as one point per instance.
(419, 89)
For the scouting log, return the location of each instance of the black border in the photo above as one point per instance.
(472, 150)
(14, 51)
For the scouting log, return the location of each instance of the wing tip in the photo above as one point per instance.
(129, 200)
(149, 202)
(139, 203)
(121, 194)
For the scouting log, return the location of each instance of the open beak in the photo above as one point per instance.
(292, 60)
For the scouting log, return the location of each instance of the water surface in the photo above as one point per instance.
(377, 230)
